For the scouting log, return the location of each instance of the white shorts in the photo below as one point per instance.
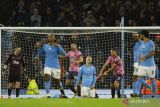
(147, 71)
(136, 66)
(87, 92)
(56, 73)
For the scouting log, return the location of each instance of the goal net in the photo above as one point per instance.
(96, 42)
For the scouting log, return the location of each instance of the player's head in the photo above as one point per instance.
(114, 52)
(51, 38)
(135, 36)
(144, 34)
(88, 59)
(17, 50)
(73, 46)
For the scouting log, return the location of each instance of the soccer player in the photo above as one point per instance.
(117, 67)
(147, 64)
(16, 61)
(75, 58)
(52, 66)
(88, 74)
(136, 55)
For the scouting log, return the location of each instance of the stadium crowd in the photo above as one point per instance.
(80, 12)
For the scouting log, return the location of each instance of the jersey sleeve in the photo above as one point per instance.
(118, 61)
(152, 46)
(108, 61)
(40, 51)
(61, 50)
(94, 77)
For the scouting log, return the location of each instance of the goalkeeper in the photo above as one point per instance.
(16, 62)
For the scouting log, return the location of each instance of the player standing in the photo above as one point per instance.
(16, 62)
(88, 74)
(52, 66)
(75, 58)
(136, 55)
(147, 63)
(116, 65)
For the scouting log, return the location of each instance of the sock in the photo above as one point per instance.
(71, 87)
(134, 86)
(79, 90)
(9, 92)
(61, 88)
(138, 86)
(17, 92)
(96, 95)
(146, 84)
(113, 92)
(47, 86)
(118, 92)
(153, 87)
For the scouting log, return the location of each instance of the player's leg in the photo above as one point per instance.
(10, 87)
(57, 77)
(140, 80)
(10, 84)
(112, 86)
(47, 77)
(84, 92)
(75, 74)
(135, 77)
(17, 84)
(92, 93)
(69, 82)
(151, 74)
(117, 85)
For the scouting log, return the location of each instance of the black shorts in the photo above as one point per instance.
(116, 78)
(14, 77)
(72, 75)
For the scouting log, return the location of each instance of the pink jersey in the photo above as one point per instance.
(73, 57)
(118, 70)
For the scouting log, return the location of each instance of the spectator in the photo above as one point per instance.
(35, 18)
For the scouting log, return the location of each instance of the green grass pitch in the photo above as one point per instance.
(79, 102)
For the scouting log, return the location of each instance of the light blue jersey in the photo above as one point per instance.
(136, 51)
(146, 48)
(88, 75)
(51, 55)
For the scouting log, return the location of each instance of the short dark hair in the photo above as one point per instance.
(74, 43)
(145, 33)
(115, 49)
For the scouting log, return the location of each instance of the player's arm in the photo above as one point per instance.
(152, 47)
(147, 56)
(61, 51)
(7, 62)
(94, 79)
(80, 59)
(78, 78)
(40, 47)
(103, 68)
(110, 69)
